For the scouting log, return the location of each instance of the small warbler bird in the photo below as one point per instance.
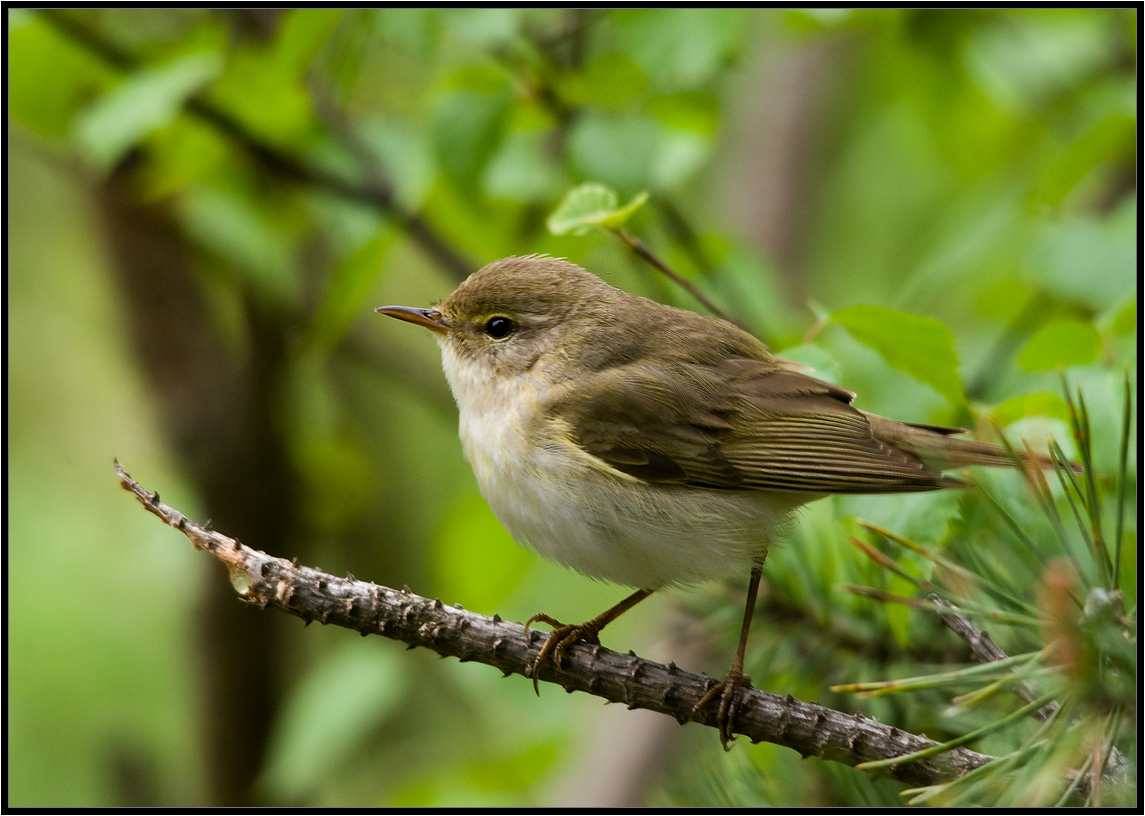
(649, 446)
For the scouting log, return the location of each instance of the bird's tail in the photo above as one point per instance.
(938, 448)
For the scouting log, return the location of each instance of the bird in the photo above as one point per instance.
(651, 446)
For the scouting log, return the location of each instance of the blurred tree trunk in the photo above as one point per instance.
(217, 406)
(776, 151)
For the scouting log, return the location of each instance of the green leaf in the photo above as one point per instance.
(49, 79)
(1108, 140)
(923, 517)
(264, 84)
(522, 170)
(633, 150)
(182, 155)
(610, 81)
(282, 115)
(244, 232)
(591, 205)
(620, 216)
(1124, 317)
(404, 155)
(679, 154)
(481, 28)
(1092, 261)
(353, 280)
(919, 346)
(1021, 61)
(1064, 342)
(1042, 403)
(144, 102)
(301, 35)
(467, 128)
(823, 364)
(617, 149)
(682, 48)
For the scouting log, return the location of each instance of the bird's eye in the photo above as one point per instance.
(499, 327)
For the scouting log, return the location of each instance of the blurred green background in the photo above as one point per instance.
(205, 207)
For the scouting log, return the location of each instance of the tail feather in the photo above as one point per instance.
(937, 448)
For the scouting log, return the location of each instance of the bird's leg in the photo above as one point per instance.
(564, 635)
(729, 688)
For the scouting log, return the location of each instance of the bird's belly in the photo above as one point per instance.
(616, 528)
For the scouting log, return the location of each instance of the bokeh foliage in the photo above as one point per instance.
(936, 209)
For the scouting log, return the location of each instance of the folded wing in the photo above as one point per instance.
(739, 424)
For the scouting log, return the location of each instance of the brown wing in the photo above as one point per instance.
(738, 424)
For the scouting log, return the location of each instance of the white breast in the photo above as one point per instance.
(577, 511)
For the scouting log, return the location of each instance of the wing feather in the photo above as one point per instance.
(736, 424)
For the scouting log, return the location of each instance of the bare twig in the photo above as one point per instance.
(368, 608)
(637, 246)
(985, 650)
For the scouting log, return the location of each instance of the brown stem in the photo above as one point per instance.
(985, 650)
(637, 246)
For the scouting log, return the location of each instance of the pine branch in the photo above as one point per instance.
(810, 729)
(986, 651)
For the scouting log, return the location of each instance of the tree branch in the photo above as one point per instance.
(810, 729)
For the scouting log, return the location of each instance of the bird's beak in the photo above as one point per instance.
(432, 319)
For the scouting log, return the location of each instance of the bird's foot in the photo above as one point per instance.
(562, 636)
(727, 691)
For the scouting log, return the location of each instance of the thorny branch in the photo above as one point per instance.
(810, 729)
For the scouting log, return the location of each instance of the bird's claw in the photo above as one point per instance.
(562, 636)
(728, 692)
